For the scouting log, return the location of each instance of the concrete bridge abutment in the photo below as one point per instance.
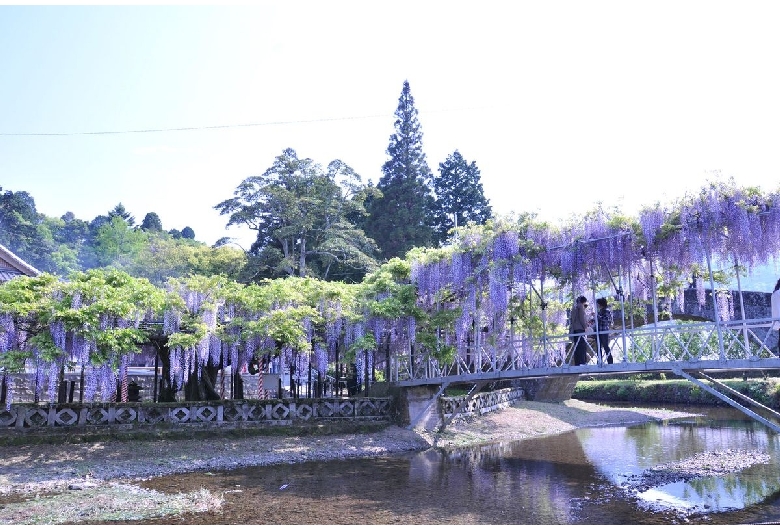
(422, 407)
(550, 388)
(419, 407)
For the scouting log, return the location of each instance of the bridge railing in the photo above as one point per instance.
(672, 341)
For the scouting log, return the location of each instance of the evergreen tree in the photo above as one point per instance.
(401, 219)
(459, 196)
(152, 223)
(120, 211)
(187, 233)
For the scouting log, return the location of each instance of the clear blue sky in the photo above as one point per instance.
(560, 103)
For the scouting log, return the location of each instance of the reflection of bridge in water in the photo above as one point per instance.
(685, 348)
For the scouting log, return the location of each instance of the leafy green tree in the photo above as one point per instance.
(117, 244)
(301, 214)
(19, 221)
(188, 233)
(94, 252)
(164, 257)
(402, 218)
(42, 241)
(74, 231)
(89, 320)
(59, 255)
(152, 223)
(460, 198)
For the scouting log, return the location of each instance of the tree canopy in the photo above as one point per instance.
(302, 213)
(460, 198)
(403, 217)
(152, 222)
(65, 245)
(490, 279)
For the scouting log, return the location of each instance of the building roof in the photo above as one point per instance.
(12, 266)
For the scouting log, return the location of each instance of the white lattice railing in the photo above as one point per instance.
(666, 342)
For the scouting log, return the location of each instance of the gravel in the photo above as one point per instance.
(709, 464)
(43, 468)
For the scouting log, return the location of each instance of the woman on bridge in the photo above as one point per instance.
(604, 323)
(578, 322)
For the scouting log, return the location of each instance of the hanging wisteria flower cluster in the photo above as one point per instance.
(483, 271)
(497, 283)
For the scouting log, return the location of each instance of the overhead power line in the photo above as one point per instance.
(201, 128)
(233, 126)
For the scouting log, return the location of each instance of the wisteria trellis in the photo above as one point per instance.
(486, 280)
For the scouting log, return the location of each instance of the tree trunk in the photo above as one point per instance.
(166, 393)
(202, 389)
(302, 261)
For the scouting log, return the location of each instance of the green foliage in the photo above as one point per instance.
(302, 215)
(88, 305)
(165, 257)
(152, 223)
(401, 218)
(117, 244)
(121, 212)
(460, 198)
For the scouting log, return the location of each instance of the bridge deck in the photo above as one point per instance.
(734, 345)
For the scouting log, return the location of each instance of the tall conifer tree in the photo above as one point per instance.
(402, 218)
(459, 195)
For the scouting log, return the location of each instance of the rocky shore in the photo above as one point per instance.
(709, 464)
(66, 483)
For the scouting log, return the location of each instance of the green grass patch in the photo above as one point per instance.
(765, 391)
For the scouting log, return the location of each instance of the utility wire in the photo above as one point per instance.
(202, 128)
(234, 126)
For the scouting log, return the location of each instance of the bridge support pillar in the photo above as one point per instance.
(550, 389)
(419, 407)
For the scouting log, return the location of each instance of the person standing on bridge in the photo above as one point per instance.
(578, 322)
(776, 312)
(604, 324)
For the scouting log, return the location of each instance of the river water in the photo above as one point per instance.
(579, 477)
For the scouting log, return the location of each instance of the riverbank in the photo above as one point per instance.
(764, 390)
(98, 481)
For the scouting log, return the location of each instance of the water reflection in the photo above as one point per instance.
(579, 477)
(619, 452)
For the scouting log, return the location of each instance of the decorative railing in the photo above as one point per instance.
(480, 403)
(722, 343)
(26, 416)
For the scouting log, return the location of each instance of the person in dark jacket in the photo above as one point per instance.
(603, 325)
(578, 322)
